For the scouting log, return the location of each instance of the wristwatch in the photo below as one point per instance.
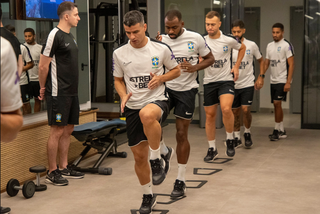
(262, 75)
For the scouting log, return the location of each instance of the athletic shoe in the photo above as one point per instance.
(158, 172)
(71, 173)
(5, 210)
(230, 148)
(56, 178)
(211, 155)
(167, 159)
(274, 136)
(237, 143)
(247, 140)
(179, 189)
(282, 134)
(148, 203)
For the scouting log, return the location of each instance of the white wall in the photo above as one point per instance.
(272, 11)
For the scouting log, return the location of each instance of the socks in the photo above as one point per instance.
(281, 128)
(182, 172)
(147, 189)
(212, 144)
(230, 136)
(237, 134)
(247, 130)
(163, 147)
(155, 154)
(277, 126)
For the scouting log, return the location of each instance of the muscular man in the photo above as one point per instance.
(58, 76)
(139, 81)
(219, 83)
(186, 46)
(35, 50)
(244, 86)
(280, 56)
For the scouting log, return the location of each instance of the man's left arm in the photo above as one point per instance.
(204, 63)
(287, 86)
(235, 69)
(158, 80)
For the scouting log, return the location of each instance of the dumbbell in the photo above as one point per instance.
(28, 188)
(38, 170)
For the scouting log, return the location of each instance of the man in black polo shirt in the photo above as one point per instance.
(58, 77)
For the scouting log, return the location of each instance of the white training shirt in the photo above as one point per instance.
(10, 89)
(136, 64)
(25, 58)
(189, 45)
(246, 69)
(221, 49)
(278, 53)
(35, 51)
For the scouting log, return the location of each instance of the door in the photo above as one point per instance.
(252, 23)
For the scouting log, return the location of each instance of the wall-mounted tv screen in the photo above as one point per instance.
(42, 9)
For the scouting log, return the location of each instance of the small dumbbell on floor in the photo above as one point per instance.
(38, 170)
(28, 188)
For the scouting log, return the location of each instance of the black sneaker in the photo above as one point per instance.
(71, 173)
(5, 210)
(167, 159)
(237, 143)
(247, 140)
(211, 155)
(56, 178)
(148, 203)
(179, 189)
(158, 171)
(230, 148)
(274, 136)
(282, 134)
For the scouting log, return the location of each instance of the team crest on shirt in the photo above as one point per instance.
(155, 61)
(190, 46)
(58, 118)
(225, 48)
(279, 49)
(248, 52)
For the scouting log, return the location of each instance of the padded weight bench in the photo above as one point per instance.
(101, 136)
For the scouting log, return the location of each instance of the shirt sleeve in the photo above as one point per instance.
(26, 56)
(257, 54)
(234, 44)
(116, 67)
(289, 51)
(267, 53)
(204, 49)
(169, 59)
(51, 46)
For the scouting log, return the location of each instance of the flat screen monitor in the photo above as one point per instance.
(43, 9)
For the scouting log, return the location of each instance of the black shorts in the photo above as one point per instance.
(25, 93)
(277, 92)
(214, 90)
(63, 110)
(34, 89)
(135, 131)
(183, 102)
(243, 97)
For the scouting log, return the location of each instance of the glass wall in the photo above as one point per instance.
(311, 72)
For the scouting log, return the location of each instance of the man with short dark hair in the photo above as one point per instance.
(244, 86)
(280, 56)
(35, 50)
(218, 83)
(58, 77)
(139, 80)
(187, 46)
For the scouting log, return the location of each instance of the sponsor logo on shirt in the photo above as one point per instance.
(187, 113)
(248, 52)
(58, 118)
(274, 63)
(155, 61)
(249, 101)
(219, 63)
(67, 44)
(140, 81)
(190, 46)
(180, 59)
(242, 65)
(279, 49)
(225, 48)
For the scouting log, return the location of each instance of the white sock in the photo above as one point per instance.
(147, 189)
(230, 136)
(247, 130)
(237, 134)
(163, 147)
(182, 172)
(212, 144)
(155, 154)
(277, 126)
(281, 126)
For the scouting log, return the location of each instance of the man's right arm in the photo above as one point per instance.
(122, 91)
(43, 73)
(11, 123)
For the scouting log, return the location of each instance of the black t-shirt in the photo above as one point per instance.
(12, 39)
(63, 72)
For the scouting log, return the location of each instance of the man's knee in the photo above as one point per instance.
(57, 130)
(181, 136)
(277, 103)
(140, 158)
(68, 130)
(246, 110)
(147, 117)
(226, 110)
